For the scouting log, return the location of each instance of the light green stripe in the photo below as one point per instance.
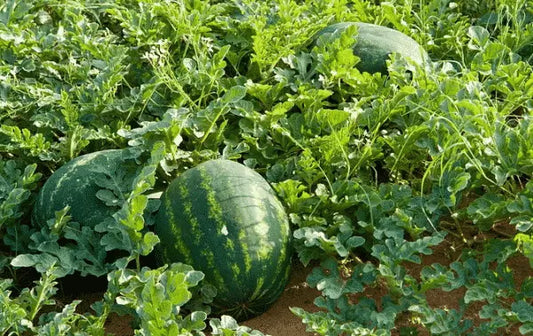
(210, 257)
(258, 289)
(187, 209)
(214, 208)
(65, 177)
(245, 252)
(214, 214)
(229, 245)
(262, 228)
(236, 270)
(176, 229)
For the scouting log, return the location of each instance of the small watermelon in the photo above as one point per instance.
(375, 43)
(83, 183)
(224, 219)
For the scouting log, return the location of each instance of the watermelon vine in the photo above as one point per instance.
(385, 146)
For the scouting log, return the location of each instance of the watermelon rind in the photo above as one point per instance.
(374, 45)
(224, 219)
(76, 184)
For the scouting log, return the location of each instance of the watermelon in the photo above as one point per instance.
(375, 43)
(224, 219)
(80, 184)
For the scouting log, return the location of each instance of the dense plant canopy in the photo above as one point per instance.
(374, 170)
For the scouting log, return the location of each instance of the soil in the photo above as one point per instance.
(277, 321)
(280, 321)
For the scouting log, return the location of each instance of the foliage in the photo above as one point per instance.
(375, 171)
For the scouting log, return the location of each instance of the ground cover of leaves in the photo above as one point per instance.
(409, 192)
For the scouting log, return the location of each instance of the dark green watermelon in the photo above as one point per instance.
(375, 43)
(224, 219)
(78, 182)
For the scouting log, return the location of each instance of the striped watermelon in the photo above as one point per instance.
(375, 43)
(225, 220)
(77, 183)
